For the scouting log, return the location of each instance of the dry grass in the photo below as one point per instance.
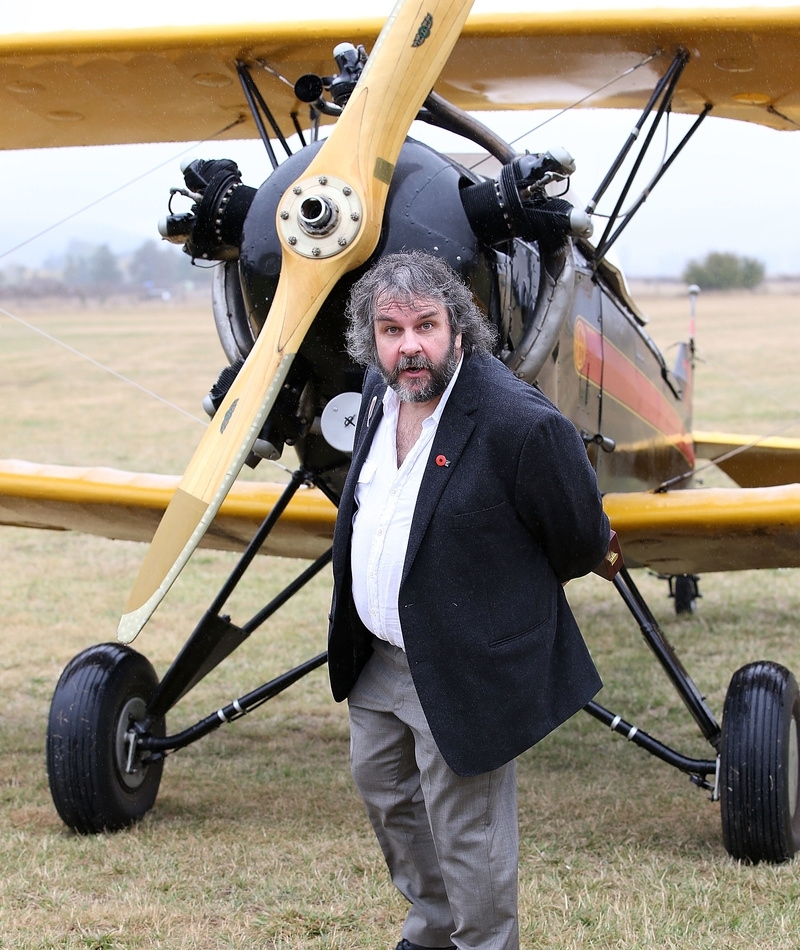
(257, 838)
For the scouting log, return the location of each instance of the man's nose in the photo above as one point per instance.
(410, 343)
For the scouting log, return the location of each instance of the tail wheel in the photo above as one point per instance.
(95, 784)
(685, 591)
(760, 764)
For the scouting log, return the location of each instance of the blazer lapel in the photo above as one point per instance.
(452, 434)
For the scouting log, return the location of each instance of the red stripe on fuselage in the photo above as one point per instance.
(601, 363)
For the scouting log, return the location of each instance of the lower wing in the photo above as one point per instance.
(751, 461)
(128, 506)
(693, 531)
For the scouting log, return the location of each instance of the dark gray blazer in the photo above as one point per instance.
(495, 653)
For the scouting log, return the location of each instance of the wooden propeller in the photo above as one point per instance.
(353, 170)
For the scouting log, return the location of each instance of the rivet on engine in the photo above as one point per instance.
(342, 242)
(297, 190)
(292, 240)
(284, 215)
(316, 251)
(347, 191)
(323, 179)
(355, 216)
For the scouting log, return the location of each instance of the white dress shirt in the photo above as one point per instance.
(385, 499)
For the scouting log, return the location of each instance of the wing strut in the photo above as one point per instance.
(215, 636)
(662, 95)
(258, 105)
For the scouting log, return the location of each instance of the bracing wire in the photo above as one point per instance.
(579, 102)
(107, 369)
(118, 189)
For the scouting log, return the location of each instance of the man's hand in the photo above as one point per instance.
(609, 567)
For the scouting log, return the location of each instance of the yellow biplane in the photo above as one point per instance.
(287, 253)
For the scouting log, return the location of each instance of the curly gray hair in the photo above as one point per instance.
(405, 278)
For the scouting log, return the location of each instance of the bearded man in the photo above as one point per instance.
(469, 503)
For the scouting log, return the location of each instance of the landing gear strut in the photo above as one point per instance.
(106, 739)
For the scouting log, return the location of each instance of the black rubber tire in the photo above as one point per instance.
(760, 764)
(99, 693)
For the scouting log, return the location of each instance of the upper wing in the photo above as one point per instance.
(749, 460)
(177, 84)
(682, 532)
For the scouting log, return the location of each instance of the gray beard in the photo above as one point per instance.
(440, 375)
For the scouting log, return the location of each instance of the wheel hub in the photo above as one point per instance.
(793, 764)
(131, 770)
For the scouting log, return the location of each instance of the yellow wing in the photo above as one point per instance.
(708, 529)
(177, 84)
(751, 461)
(698, 531)
(682, 532)
(128, 506)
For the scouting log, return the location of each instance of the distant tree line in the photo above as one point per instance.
(158, 269)
(724, 271)
(95, 271)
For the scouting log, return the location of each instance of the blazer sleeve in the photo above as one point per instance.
(558, 498)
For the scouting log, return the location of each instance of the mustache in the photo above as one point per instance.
(411, 363)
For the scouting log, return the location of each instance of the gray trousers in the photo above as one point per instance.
(451, 843)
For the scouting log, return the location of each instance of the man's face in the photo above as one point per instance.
(417, 351)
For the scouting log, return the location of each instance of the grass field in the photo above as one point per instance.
(257, 838)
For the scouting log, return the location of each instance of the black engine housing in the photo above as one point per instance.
(424, 211)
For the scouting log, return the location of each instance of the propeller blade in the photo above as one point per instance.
(353, 170)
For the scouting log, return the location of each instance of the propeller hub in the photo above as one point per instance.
(319, 216)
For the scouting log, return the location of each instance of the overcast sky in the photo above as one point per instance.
(734, 188)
